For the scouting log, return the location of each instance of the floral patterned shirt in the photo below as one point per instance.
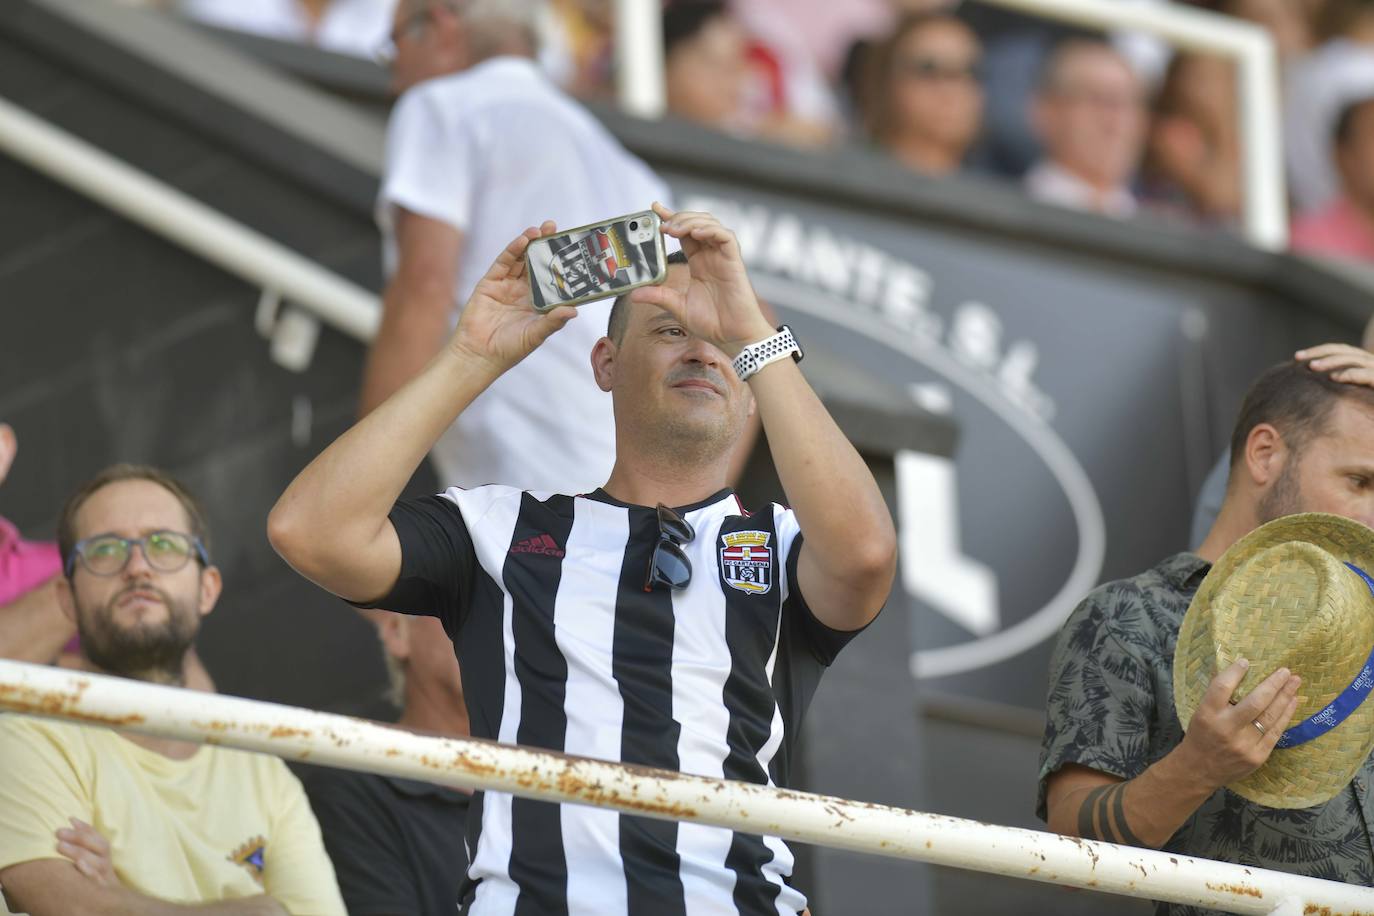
(1111, 708)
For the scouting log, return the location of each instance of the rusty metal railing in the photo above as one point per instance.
(356, 744)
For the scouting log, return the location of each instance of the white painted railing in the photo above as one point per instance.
(356, 744)
(185, 221)
(1265, 217)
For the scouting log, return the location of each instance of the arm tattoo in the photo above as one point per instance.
(1102, 816)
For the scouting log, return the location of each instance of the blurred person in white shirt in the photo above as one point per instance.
(480, 145)
(355, 27)
(1090, 115)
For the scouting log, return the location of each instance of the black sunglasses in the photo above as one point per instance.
(669, 567)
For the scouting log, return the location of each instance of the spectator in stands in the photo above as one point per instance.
(598, 661)
(32, 625)
(479, 146)
(926, 103)
(1194, 163)
(354, 27)
(1345, 227)
(1090, 115)
(1115, 763)
(398, 844)
(1316, 88)
(100, 821)
(704, 63)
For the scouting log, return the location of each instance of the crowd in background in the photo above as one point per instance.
(1115, 124)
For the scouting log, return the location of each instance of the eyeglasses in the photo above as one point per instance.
(669, 566)
(934, 70)
(411, 26)
(108, 554)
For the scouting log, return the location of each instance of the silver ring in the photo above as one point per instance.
(1258, 725)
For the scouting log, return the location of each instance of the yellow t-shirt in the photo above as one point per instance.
(219, 825)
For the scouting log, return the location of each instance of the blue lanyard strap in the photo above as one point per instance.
(1340, 708)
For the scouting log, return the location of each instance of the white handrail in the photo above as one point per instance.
(355, 744)
(180, 218)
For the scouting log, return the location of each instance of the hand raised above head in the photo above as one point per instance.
(1342, 362)
(719, 304)
(498, 324)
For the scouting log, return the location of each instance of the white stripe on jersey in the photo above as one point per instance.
(584, 629)
(491, 540)
(701, 665)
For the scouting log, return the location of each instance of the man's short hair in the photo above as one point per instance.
(1051, 77)
(66, 524)
(620, 312)
(1295, 400)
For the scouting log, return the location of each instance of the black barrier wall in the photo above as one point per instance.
(1092, 370)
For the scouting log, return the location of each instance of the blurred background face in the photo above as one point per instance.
(139, 620)
(1091, 115)
(705, 72)
(1355, 156)
(934, 86)
(672, 390)
(426, 42)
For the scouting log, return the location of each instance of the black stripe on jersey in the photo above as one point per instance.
(538, 862)
(482, 658)
(751, 628)
(642, 663)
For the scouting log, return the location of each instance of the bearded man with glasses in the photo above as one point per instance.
(104, 822)
(651, 621)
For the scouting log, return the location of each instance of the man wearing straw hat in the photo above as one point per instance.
(1214, 705)
(652, 621)
(95, 821)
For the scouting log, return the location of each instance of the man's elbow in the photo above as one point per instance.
(875, 560)
(288, 534)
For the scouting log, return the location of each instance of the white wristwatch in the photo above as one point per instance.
(769, 350)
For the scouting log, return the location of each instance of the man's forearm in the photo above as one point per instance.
(828, 485)
(1145, 811)
(33, 627)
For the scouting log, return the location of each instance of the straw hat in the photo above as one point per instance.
(1283, 596)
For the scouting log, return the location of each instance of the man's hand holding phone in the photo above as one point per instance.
(719, 304)
(499, 325)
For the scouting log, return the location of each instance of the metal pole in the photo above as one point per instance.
(168, 212)
(639, 57)
(339, 741)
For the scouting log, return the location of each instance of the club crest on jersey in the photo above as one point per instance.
(746, 561)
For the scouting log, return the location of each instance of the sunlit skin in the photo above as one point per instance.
(935, 116)
(1092, 118)
(1334, 472)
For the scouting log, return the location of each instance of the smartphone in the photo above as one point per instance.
(596, 261)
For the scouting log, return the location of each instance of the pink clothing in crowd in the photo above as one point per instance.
(1337, 229)
(24, 565)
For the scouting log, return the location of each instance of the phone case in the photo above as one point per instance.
(596, 261)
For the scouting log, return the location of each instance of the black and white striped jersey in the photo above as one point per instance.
(562, 648)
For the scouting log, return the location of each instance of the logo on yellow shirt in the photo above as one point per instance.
(251, 855)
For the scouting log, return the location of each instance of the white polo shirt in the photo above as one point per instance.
(491, 151)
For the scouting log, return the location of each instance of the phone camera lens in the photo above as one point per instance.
(634, 225)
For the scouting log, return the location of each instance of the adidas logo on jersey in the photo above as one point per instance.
(541, 544)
